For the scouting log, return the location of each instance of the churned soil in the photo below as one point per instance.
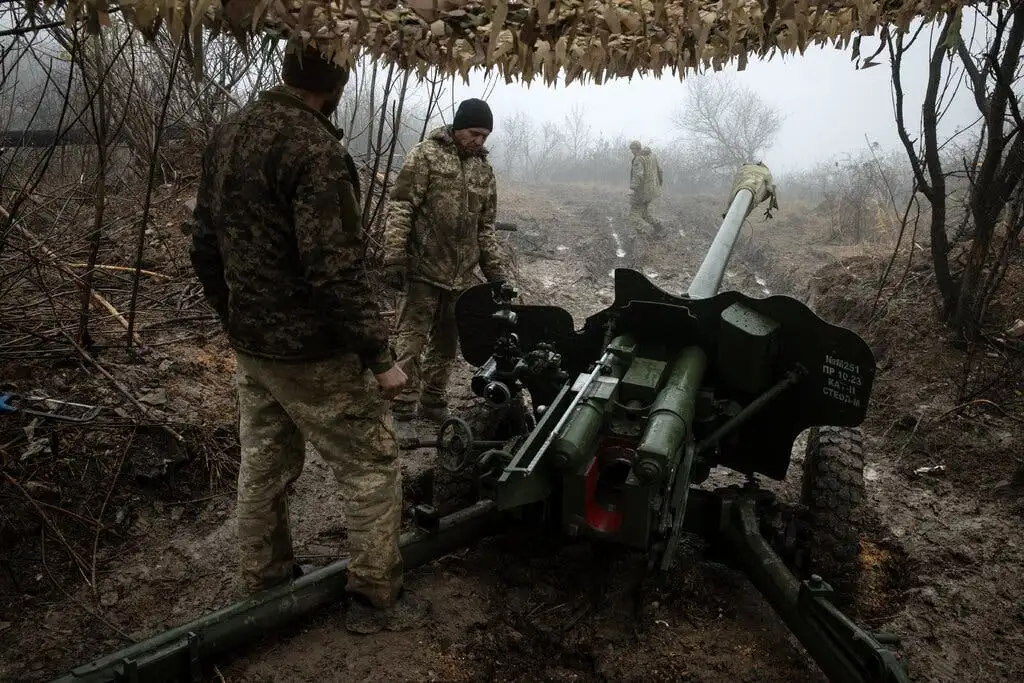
(942, 550)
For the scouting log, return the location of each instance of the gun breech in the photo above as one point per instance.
(580, 395)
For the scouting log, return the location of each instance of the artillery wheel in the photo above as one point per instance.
(832, 492)
(456, 489)
(454, 445)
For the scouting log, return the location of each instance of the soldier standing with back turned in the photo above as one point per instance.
(440, 227)
(653, 168)
(644, 187)
(279, 247)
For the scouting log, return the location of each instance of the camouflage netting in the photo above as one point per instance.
(582, 39)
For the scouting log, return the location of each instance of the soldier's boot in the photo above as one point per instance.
(408, 612)
(405, 430)
(298, 570)
(434, 412)
(433, 406)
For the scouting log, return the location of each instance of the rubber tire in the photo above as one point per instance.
(833, 493)
(452, 491)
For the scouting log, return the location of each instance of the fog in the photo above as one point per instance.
(830, 108)
(829, 105)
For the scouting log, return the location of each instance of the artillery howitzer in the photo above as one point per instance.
(632, 412)
(629, 416)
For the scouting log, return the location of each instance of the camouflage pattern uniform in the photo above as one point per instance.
(653, 170)
(645, 186)
(332, 405)
(279, 247)
(440, 226)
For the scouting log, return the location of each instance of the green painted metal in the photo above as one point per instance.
(669, 423)
(180, 653)
(639, 405)
(747, 348)
(576, 441)
(845, 652)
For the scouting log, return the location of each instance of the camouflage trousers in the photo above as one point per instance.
(426, 342)
(641, 222)
(640, 217)
(336, 406)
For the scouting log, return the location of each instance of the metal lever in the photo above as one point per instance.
(14, 403)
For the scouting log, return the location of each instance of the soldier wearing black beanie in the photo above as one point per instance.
(307, 331)
(473, 113)
(310, 71)
(439, 231)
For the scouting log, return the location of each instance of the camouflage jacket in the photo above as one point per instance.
(636, 175)
(277, 237)
(440, 222)
(645, 177)
(653, 175)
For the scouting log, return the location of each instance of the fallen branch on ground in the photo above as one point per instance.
(129, 269)
(120, 387)
(79, 562)
(96, 296)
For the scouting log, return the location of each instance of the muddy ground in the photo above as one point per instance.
(943, 552)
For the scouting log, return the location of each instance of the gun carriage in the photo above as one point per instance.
(608, 432)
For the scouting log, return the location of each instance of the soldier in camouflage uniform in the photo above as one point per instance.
(440, 227)
(644, 187)
(279, 247)
(653, 168)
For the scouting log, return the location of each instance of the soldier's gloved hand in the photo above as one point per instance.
(393, 276)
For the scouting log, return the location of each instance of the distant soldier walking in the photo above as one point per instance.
(653, 169)
(645, 181)
(279, 247)
(440, 227)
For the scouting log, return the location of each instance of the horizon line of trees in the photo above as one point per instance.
(969, 186)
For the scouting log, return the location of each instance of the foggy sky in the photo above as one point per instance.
(829, 105)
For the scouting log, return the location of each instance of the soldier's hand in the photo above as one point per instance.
(394, 276)
(391, 382)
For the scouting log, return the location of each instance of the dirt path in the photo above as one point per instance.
(944, 559)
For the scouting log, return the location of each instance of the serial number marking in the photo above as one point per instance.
(842, 364)
(842, 380)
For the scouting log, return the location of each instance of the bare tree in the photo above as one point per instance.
(724, 123)
(550, 140)
(516, 136)
(577, 132)
(993, 170)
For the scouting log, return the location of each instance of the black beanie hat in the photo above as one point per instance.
(473, 113)
(309, 70)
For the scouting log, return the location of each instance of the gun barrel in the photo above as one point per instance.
(709, 276)
(751, 185)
